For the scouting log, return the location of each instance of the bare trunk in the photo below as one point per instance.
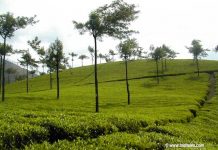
(43, 69)
(197, 63)
(0, 73)
(157, 71)
(8, 78)
(165, 64)
(96, 76)
(127, 83)
(162, 65)
(50, 75)
(27, 79)
(3, 73)
(57, 74)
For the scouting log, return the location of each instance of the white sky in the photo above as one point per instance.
(172, 22)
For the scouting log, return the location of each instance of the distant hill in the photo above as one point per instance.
(113, 71)
(19, 75)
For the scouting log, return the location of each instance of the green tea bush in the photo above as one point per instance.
(18, 135)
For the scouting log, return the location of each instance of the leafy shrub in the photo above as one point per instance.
(18, 135)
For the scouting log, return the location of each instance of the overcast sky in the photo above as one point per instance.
(172, 22)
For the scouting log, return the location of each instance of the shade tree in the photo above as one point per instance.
(28, 61)
(112, 54)
(8, 50)
(156, 55)
(125, 50)
(56, 54)
(197, 51)
(50, 63)
(72, 54)
(92, 53)
(101, 56)
(82, 57)
(10, 71)
(8, 25)
(111, 20)
(35, 45)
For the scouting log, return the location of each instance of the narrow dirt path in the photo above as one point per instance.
(212, 86)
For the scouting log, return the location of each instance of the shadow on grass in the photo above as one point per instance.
(194, 78)
(113, 105)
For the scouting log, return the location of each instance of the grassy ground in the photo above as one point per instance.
(170, 112)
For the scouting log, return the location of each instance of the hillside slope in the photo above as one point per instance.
(109, 71)
(39, 121)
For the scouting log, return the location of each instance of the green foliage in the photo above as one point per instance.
(111, 20)
(197, 49)
(56, 50)
(10, 71)
(159, 114)
(9, 24)
(8, 49)
(18, 135)
(27, 60)
(127, 47)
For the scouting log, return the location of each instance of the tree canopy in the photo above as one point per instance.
(127, 47)
(9, 24)
(197, 50)
(112, 20)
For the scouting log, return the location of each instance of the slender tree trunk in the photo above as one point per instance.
(3, 73)
(50, 75)
(8, 78)
(157, 71)
(162, 65)
(127, 83)
(43, 68)
(82, 62)
(165, 64)
(27, 79)
(197, 63)
(96, 76)
(72, 63)
(57, 71)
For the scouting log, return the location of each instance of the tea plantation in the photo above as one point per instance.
(181, 109)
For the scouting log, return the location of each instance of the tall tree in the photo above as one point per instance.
(126, 49)
(56, 49)
(8, 50)
(33, 72)
(163, 56)
(156, 54)
(112, 53)
(216, 48)
(72, 55)
(82, 57)
(10, 71)
(35, 45)
(101, 56)
(91, 51)
(50, 62)
(197, 51)
(107, 58)
(170, 54)
(112, 20)
(28, 61)
(138, 53)
(65, 62)
(8, 25)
